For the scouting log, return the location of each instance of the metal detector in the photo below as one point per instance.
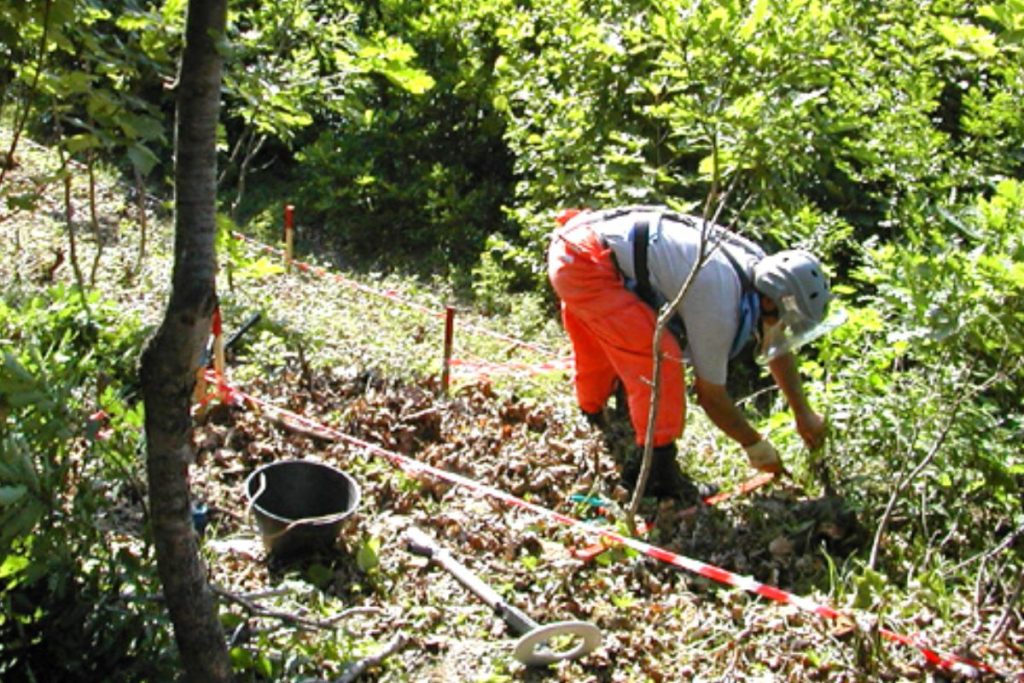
(533, 648)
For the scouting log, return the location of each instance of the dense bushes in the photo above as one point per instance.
(926, 379)
(65, 578)
(460, 128)
(887, 136)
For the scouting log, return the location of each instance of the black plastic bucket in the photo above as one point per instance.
(299, 505)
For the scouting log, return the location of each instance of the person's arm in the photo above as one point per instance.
(809, 424)
(722, 411)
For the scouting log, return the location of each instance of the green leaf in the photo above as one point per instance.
(81, 142)
(624, 601)
(870, 585)
(27, 201)
(142, 158)
(264, 666)
(22, 522)
(260, 268)
(961, 35)
(75, 83)
(319, 574)
(367, 557)
(241, 658)
(139, 126)
(19, 374)
(757, 15)
(415, 81)
(13, 565)
(12, 494)
(133, 22)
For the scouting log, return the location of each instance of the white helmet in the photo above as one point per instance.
(794, 275)
(795, 281)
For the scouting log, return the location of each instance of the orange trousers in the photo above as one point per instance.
(612, 330)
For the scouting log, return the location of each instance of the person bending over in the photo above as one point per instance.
(614, 269)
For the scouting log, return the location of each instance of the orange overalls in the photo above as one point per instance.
(612, 330)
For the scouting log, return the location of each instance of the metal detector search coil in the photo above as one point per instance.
(534, 647)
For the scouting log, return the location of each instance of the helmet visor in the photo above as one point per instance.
(794, 330)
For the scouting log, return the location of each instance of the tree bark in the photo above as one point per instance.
(171, 357)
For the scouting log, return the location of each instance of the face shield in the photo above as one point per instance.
(793, 330)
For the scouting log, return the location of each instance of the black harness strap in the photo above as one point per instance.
(641, 235)
(745, 282)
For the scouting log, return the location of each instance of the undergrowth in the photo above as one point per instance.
(922, 466)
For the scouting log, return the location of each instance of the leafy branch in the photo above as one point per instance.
(929, 457)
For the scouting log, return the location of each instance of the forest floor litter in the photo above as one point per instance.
(657, 623)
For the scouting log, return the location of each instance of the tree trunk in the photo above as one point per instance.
(171, 357)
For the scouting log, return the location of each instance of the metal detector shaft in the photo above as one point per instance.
(207, 355)
(249, 322)
(421, 544)
(535, 644)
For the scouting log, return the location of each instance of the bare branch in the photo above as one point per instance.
(258, 610)
(665, 315)
(953, 413)
(396, 644)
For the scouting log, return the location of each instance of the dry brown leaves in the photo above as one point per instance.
(658, 623)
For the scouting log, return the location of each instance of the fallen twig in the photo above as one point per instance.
(395, 645)
(288, 617)
(1004, 620)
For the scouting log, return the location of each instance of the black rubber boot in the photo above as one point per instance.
(666, 480)
(598, 420)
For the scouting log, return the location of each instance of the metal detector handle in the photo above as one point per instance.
(420, 544)
(250, 321)
(206, 357)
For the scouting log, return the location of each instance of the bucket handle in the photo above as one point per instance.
(298, 522)
(262, 486)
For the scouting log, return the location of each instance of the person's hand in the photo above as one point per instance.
(763, 456)
(812, 429)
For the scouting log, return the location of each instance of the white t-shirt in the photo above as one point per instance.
(711, 308)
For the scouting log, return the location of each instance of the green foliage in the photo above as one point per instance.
(99, 82)
(928, 371)
(411, 171)
(60, 576)
(854, 115)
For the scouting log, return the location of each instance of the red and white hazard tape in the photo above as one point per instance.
(944, 660)
(486, 368)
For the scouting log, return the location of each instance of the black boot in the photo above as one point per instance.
(666, 480)
(597, 420)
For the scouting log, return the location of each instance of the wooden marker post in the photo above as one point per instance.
(449, 333)
(199, 392)
(218, 344)
(289, 234)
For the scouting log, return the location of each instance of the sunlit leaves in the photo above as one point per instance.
(1010, 15)
(967, 40)
(393, 58)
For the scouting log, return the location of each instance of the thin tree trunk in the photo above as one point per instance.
(94, 220)
(21, 113)
(661, 324)
(69, 217)
(140, 200)
(171, 357)
(243, 172)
